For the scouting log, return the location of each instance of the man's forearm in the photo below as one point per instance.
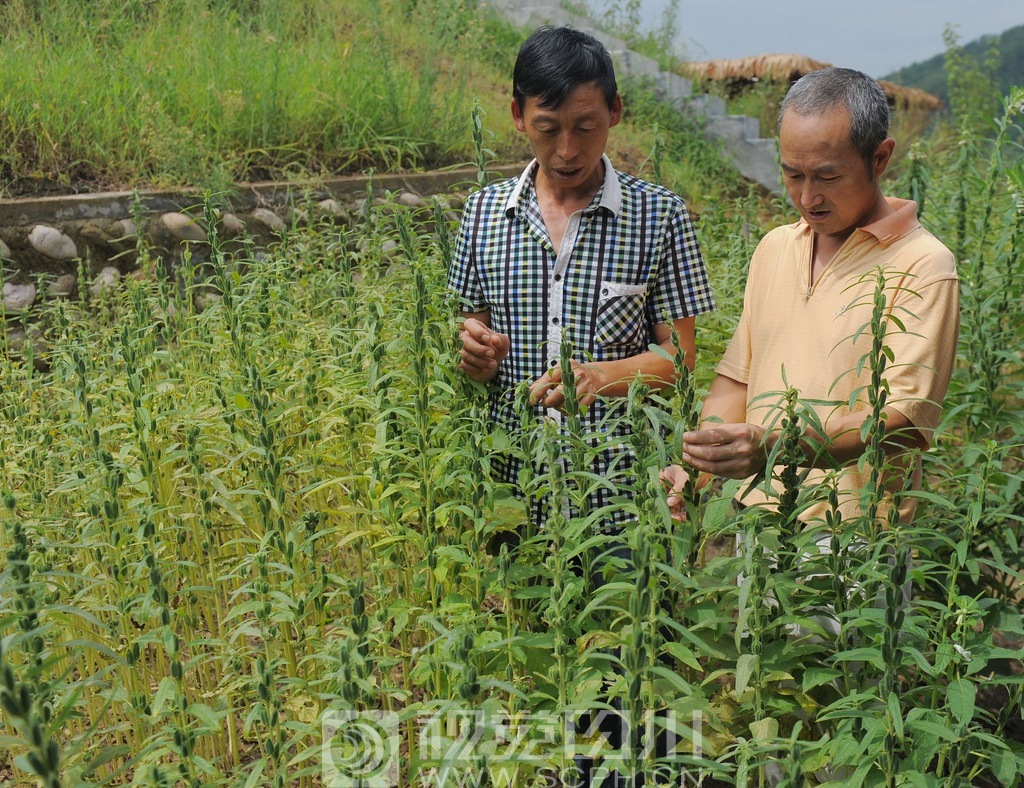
(843, 442)
(655, 371)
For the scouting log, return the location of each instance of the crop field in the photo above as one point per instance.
(250, 536)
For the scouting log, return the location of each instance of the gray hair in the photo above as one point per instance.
(826, 89)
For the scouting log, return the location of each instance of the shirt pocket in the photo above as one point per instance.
(620, 314)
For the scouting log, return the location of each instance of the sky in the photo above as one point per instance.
(874, 36)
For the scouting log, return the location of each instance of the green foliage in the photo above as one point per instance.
(931, 74)
(974, 94)
(252, 501)
(623, 18)
(209, 93)
(232, 529)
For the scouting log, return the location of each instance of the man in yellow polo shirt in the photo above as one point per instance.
(809, 297)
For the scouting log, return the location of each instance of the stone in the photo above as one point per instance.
(297, 215)
(182, 227)
(5, 251)
(21, 343)
(231, 226)
(269, 219)
(330, 207)
(105, 280)
(128, 230)
(64, 286)
(18, 297)
(52, 243)
(205, 300)
(411, 200)
(93, 233)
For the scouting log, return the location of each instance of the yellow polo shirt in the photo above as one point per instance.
(815, 337)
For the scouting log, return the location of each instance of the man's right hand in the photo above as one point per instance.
(734, 451)
(482, 350)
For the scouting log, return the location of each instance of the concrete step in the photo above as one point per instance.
(755, 157)
(734, 128)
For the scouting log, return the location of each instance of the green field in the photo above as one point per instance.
(249, 522)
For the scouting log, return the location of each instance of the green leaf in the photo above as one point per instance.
(745, 666)
(1004, 767)
(765, 731)
(256, 773)
(865, 654)
(815, 676)
(960, 698)
(167, 690)
(684, 654)
(939, 730)
(895, 713)
(207, 716)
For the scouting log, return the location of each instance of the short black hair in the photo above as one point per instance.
(554, 61)
(822, 91)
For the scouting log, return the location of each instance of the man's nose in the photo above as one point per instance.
(567, 146)
(810, 194)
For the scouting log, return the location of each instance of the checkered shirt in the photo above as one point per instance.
(628, 261)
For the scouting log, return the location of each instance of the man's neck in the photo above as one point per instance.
(570, 199)
(558, 205)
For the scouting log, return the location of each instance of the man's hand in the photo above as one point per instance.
(591, 380)
(482, 350)
(675, 477)
(735, 451)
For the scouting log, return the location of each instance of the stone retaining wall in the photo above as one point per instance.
(47, 243)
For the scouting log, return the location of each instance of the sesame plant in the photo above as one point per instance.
(250, 536)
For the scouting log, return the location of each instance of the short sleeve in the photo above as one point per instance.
(682, 288)
(735, 363)
(463, 275)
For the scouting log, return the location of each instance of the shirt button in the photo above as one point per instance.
(604, 291)
(554, 321)
(553, 362)
(558, 277)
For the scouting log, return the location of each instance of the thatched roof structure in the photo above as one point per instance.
(756, 67)
(789, 68)
(910, 98)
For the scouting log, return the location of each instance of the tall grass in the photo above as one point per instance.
(229, 532)
(199, 92)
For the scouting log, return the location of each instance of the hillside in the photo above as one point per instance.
(930, 75)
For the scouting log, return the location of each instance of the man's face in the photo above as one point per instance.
(826, 177)
(569, 141)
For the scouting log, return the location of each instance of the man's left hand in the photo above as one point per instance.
(548, 390)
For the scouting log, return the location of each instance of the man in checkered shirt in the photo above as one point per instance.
(573, 246)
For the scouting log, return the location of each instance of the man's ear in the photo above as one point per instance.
(517, 116)
(616, 111)
(883, 156)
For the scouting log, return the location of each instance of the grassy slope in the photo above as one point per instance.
(209, 92)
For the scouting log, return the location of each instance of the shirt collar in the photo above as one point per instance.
(896, 225)
(889, 228)
(610, 194)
